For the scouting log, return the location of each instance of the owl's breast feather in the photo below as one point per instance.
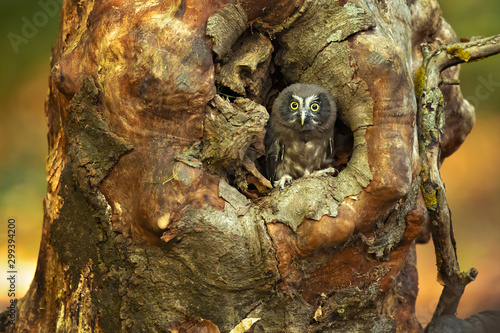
(302, 158)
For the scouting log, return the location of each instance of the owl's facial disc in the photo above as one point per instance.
(305, 107)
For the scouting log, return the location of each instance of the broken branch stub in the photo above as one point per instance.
(225, 26)
(248, 70)
(230, 128)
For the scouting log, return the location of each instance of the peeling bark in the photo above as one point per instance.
(158, 216)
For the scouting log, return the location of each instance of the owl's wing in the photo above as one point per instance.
(330, 150)
(274, 154)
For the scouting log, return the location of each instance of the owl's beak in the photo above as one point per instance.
(302, 117)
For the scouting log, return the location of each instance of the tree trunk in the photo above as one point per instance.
(157, 217)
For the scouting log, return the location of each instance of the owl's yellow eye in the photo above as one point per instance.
(294, 105)
(314, 107)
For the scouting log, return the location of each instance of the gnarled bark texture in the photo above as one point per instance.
(157, 217)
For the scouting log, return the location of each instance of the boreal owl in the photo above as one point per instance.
(299, 137)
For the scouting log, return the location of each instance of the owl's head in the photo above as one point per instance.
(305, 107)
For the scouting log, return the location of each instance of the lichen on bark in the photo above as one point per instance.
(431, 124)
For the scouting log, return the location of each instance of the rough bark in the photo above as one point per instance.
(157, 217)
(431, 122)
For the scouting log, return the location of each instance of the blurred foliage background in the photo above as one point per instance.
(472, 174)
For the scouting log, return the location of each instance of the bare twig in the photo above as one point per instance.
(431, 119)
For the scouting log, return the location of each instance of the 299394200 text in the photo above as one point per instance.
(11, 270)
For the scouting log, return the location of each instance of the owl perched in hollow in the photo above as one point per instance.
(299, 137)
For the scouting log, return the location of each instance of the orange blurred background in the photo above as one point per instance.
(472, 174)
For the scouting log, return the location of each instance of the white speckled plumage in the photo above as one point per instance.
(299, 138)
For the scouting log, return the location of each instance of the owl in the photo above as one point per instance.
(299, 137)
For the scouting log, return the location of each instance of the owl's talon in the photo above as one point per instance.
(282, 181)
(324, 172)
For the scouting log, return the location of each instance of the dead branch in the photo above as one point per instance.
(431, 120)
